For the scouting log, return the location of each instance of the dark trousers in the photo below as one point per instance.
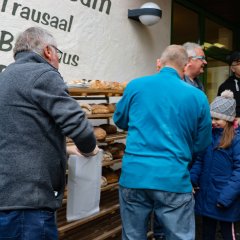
(28, 225)
(209, 227)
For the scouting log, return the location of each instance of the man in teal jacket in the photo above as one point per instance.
(167, 122)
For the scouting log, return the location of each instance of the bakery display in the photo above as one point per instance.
(100, 114)
(116, 149)
(98, 84)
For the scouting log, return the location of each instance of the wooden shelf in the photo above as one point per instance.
(109, 233)
(76, 92)
(106, 227)
(71, 225)
(106, 224)
(99, 116)
(108, 205)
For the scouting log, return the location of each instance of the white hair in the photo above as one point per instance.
(190, 48)
(33, 39)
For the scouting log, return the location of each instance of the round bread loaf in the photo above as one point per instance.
(109, 128)
(107, 156)
(111, 107)
(110, 175)
(99, 84)
(99, 108)
(100, 133)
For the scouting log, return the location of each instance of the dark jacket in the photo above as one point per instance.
(233, 84)
(36, 113)
(217, 173)
(196, 82)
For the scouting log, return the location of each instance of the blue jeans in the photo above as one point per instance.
(174, 211)
(28, 225)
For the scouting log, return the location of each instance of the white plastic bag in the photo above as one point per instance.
(84, 186)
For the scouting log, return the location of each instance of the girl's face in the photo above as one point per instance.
(218, 123)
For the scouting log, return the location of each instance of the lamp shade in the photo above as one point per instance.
(149, 20)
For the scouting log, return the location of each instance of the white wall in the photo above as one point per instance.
(100, 45)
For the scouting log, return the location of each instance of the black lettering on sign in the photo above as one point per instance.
(4, 6)
(6, 39)
(39, 17)
(94, 3)
(69, 59)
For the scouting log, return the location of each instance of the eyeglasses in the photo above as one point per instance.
(202, 58)
(59, 52)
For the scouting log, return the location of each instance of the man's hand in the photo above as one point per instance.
(93, 153)
(73, 150)
(195, 189)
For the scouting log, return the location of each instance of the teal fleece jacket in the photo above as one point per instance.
(167, 121)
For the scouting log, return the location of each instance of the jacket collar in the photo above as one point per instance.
(30, 56)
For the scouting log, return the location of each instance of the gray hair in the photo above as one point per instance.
(33, 39)
(174, 55)
(190, 48)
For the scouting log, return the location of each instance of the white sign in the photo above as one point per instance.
(96, 37)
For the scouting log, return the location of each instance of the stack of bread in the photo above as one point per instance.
(101, 108)
(116, 149)
(110, 175)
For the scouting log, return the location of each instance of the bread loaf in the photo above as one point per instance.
(107, 156)
(111, 107)
(116, 86)
(99, 84)
(116, 149)
(100, 133)
(110, 175)
(109, 128)
(99, 108)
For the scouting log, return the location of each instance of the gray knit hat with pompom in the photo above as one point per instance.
(224, 106)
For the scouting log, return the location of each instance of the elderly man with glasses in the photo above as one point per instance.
(36, 114)
(196, 64)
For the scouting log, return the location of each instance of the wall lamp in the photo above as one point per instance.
(148, 14)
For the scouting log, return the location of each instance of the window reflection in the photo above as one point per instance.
(185, 25)
(217, 35)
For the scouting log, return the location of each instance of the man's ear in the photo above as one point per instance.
(232, 69)
(47, 53)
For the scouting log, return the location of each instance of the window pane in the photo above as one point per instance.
(185, 25)
(218, 36)
(217, 73)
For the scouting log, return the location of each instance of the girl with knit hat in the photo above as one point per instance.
(215, 175)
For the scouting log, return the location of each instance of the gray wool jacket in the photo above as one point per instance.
(36, 113)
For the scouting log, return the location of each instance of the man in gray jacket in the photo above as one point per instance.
(36, 114)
